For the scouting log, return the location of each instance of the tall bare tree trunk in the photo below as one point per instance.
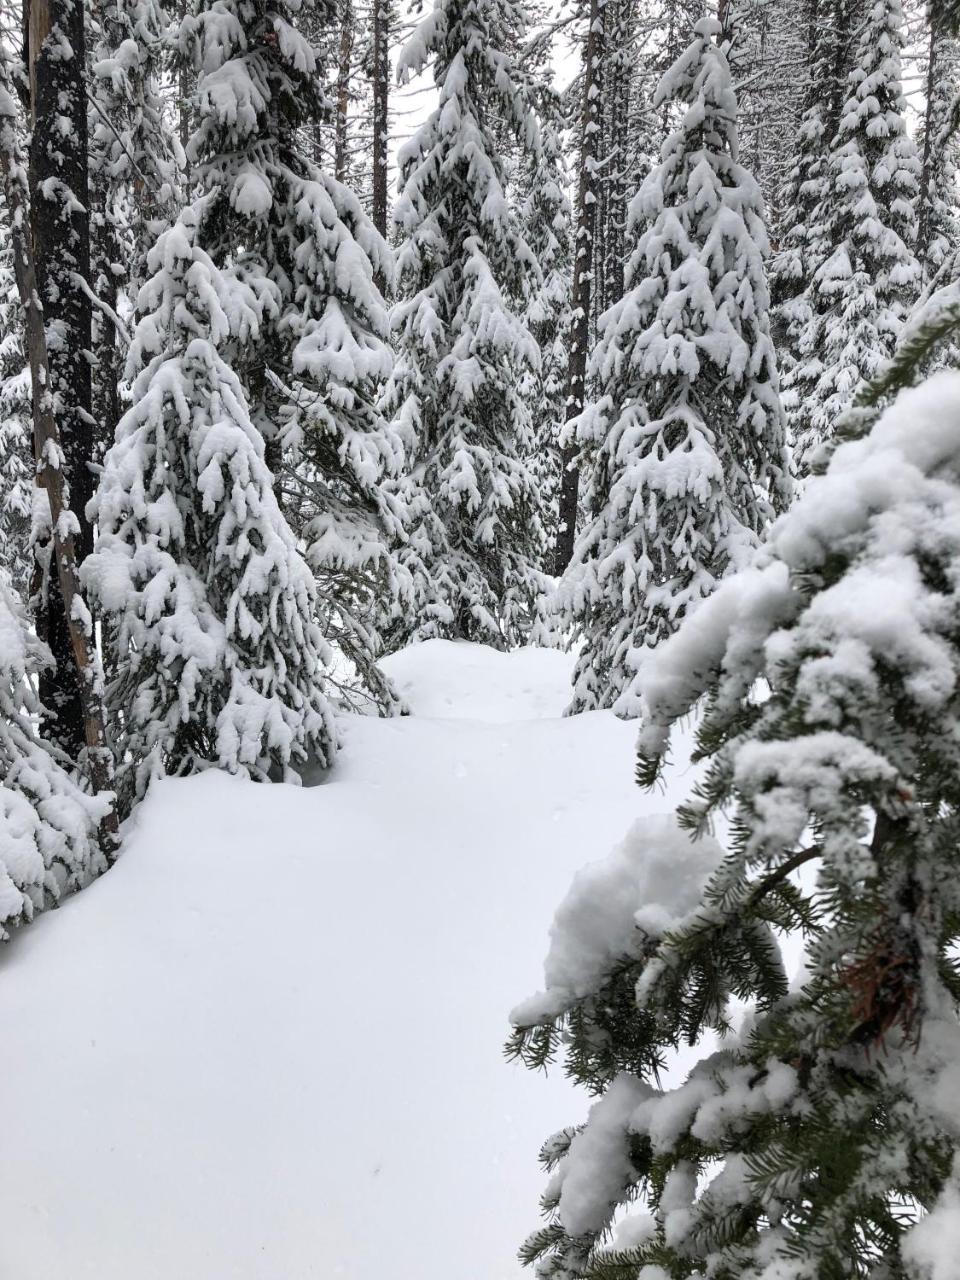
(60, 224)
(344, 62)
(381, 107)
(183, 93)
(82, 657)
(582, 279)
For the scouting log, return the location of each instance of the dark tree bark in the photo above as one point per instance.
(60, 224)
(82, 660)
(381, 105)
(582, 279)
(344, 63)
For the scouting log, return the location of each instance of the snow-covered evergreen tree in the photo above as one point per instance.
(135, 171)
(313, 375)
(938, 216)
(686, 440)
(547, 216)
(219, 657)
(859, 241)
(474, 538)
(135, 158)
(812, 1139)
(804, 200)
(48, 826)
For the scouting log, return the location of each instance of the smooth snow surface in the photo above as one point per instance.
(267, 1045)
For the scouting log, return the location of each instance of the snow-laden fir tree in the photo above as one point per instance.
(685, 442)
(810, 1140)
(313, 374)
(929, 338)
(547, 216)
(48, 826)
(219, 657)
(474, 538)
(938, 216)
(804, 199)
(135, 168)
(847, 321)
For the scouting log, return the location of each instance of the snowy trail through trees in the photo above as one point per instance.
(267, 1045)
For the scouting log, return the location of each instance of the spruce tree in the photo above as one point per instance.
(547, 217)
(807, 1143)
(938, 217)
(219, 658)
(48, 825)
(301, 239)
(864, 275)
(805, 197)
(135, 170)
(685, 440)
(473, 535)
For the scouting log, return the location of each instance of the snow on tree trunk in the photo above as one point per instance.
(59, 204)
(16, 431)
(380, 76)
(547, 218)
(583, 259)
(685, 441)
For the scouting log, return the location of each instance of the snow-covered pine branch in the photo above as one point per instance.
(815, 1136)
(49, 843)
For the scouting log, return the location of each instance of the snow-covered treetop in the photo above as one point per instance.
(479, 84)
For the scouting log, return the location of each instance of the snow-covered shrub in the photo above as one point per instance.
(812, 1140)
(685, 442)
(48, 826)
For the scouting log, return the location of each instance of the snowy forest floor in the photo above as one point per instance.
(267, 1045)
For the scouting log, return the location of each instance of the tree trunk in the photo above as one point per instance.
(60, 223)
(183, 93)
(381, 102)
(344, 59)
(82, 657)
(582, 281)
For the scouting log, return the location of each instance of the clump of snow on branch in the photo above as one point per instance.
(48, 826)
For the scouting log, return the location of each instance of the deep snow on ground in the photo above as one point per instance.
(267, 1045)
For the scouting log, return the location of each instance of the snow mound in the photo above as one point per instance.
(267, 1044)
(453, 679)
